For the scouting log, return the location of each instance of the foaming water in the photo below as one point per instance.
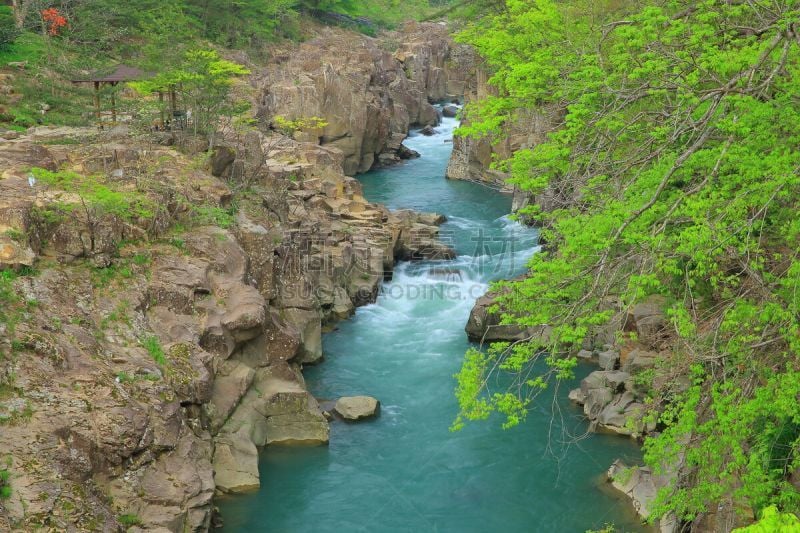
(405, 470)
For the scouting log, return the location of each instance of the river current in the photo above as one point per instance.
(405, 471)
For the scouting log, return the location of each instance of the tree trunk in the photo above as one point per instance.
(20, 8)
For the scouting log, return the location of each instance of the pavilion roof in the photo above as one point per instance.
(120, 73)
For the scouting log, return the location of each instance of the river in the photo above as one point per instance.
(405, 471)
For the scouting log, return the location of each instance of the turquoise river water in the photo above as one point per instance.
(405, 471)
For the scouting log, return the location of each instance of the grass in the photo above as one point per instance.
(41, 87)
(5, 485)
(206, 215)
(30, 47)
(129, 520)
(153, 347)
(102, 277)
(124, 377)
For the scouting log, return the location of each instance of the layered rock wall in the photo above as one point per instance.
(370, 95)
(473, 156)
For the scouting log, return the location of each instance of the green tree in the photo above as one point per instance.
(8, 28)
(204, 81)
(675, 172)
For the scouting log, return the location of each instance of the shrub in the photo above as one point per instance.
(8, 29)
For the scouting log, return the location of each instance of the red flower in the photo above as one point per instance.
(54, 20)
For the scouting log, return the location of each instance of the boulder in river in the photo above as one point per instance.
(484, 326)
(404, 152)
(428, 130)
(450, 111)
(357, 407)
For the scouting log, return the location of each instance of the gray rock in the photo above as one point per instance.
(236, 464)
(484, 326)
(232, 381)
(608, 359)
(584, 354)
(357, 407)
(577, 396)
(639, 360)
(596, 400)
(641, 486)
(450, 111)
(309, 324)
(623, 415)
(616, 379)
(647, 319)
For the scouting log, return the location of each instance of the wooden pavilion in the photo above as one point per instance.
(124, 73)
(121, 74)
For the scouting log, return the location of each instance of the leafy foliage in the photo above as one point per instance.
(772, 521)
(289, 127)
(8, 29)
(96, 198)
(204, 80)
(674, 171)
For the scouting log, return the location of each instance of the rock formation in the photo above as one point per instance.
(370, 96)
(149, 361)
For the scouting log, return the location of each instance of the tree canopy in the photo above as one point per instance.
(675, 172)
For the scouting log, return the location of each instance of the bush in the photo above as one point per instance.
(8, 29)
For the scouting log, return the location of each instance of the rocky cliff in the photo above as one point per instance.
(158, 305)
(370, 95)
(473, 156)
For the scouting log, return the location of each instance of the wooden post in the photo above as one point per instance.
(161, 108)
(113, 104)
(97, 101)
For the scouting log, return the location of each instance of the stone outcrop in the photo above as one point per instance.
(151, 366)
(472, 157)
(370, 96)
(640, 485)
(485, 327)
(613, 398)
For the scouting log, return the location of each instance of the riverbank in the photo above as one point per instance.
(406, 470)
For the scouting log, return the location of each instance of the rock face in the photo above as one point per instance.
(472, 157)
(369, 96)
(641, 486)
(357, 407)
(155, 359)
(485, 327)
(151, 366)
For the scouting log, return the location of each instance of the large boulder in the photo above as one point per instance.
(14, 254)
(357, 407)
(450, 111)
(648, 320)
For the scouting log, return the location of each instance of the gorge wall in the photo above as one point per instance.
(148, 353)
(369, 91)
